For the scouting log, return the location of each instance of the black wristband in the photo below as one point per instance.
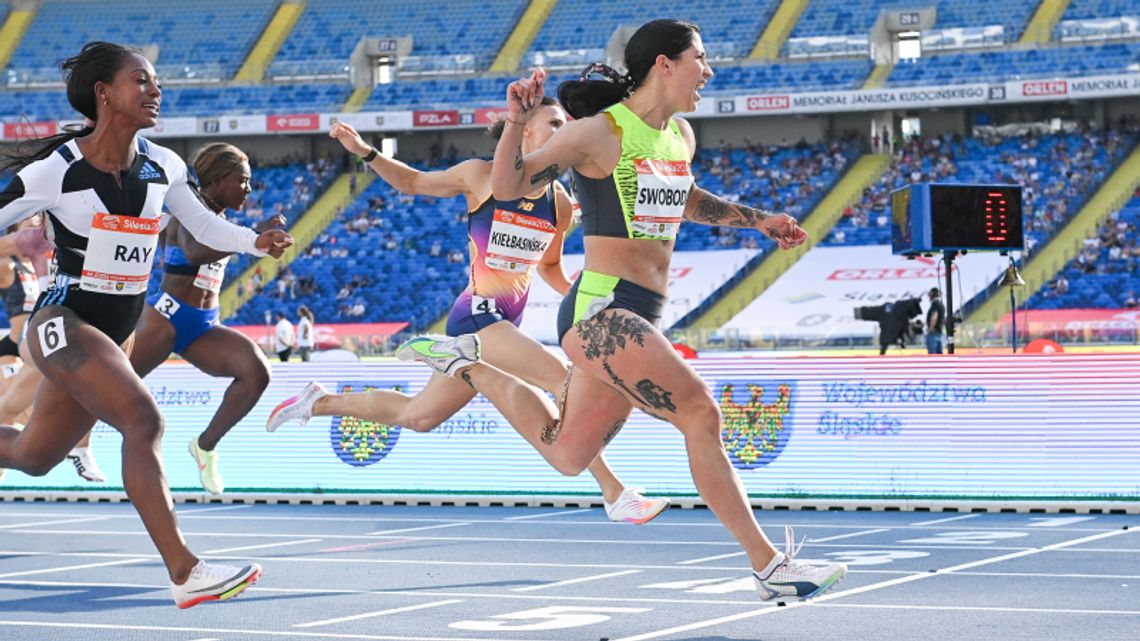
(371, 155)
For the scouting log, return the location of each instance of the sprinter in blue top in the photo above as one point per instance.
(183, 316)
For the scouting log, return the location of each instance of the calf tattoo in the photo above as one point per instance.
(466, 376)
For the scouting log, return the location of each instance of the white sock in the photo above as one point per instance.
(771, 567)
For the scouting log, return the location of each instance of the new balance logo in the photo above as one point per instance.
(148, 172)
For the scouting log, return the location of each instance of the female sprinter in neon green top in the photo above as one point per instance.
(630, 157)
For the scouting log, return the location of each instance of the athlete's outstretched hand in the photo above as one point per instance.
(783, 229)
(525, 94)
(277, 221)
(274, 242)
(349, 137)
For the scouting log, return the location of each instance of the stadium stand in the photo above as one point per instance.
(206, 40)
(1059, 172)
(1104, 274)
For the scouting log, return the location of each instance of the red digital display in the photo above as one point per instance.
(976, 217)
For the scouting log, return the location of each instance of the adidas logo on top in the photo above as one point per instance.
(148, 172)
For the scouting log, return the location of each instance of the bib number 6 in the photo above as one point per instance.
(52, 336)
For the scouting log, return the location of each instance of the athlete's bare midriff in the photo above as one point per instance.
(642, 262)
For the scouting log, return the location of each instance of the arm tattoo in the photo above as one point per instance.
(548, 175)
(519, 159)
(716, 211)
(613, 431)
(551, 431)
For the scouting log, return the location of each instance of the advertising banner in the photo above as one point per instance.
(436, 118)
(816, 297)
(1073, 88)
(370, 120)
(225, 125)
(992, 427)
(293, 122)
(861, 100)
(26, 130)
(172, 128)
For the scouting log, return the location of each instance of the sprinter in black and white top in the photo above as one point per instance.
(103, 189)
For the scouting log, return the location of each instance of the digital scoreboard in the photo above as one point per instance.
(932, 217)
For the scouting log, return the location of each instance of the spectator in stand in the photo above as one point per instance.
(284, 338)
(306, 333)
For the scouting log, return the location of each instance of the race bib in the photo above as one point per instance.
(167, 306)
(517, 241)
(480, 305)
(31, 287)
(120, 250)
(210, 276)
(662, 190)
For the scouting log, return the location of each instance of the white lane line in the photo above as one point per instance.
(72, 567)
(747, 601)
(849, 535)
(55, 522)
(417, 529)
(380, 613)
(207, 639)
(261, 546)
(130, 514)
(711, 558)
(546, 514)
(974, 608)
(584, 579)
(192, 512)
(945, 520)
(831, 596)
(89, 534)
(237, 631)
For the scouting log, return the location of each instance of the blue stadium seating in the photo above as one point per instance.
(843, 17)
(406, 283)
(328, 30)
(996, 66)
(1102, 280)
(1059, 195)
(1093, 9)
(210, 37)
(729, 28)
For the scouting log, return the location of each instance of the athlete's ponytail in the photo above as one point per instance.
(584, 97)
(96, 62)
(495, 129)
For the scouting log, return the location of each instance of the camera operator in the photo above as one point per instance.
(934, 317)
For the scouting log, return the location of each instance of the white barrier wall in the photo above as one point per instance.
(988, 427)
(817, 296)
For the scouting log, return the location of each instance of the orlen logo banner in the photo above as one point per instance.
(293, 122)
(1044, 88)
(768, 103)
(24, 130)
(436, 118)
(817, 296)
